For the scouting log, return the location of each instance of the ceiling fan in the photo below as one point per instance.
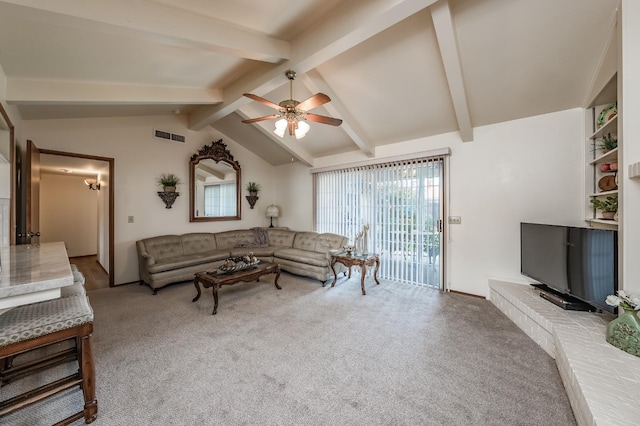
(292, 113)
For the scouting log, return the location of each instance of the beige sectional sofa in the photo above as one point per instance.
(173, 258)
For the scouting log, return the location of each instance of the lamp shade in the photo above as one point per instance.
(302, 129)
(273, 211)
(281, 126)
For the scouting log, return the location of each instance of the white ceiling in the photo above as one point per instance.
(396, 70)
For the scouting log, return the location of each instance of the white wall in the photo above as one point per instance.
(102, 231)
(629, 105)
(68, 213)
(524, 170)
(139, 160)
(295, 198)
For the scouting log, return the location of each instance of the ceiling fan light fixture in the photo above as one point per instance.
(281, 126)
(302, 129)
(293, 114)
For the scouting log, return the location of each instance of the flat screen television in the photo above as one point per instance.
(573, 261)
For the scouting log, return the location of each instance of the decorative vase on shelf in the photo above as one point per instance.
(624, 332)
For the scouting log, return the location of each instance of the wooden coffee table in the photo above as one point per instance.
(217, 279)
(362, 261)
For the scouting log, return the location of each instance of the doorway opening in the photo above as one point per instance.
(75, 204)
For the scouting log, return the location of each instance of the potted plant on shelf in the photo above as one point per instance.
(253, 188)
(609, 206)
(169, 181)
(607, 143)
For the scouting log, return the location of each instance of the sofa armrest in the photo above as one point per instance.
(333, 252)
(143, 254)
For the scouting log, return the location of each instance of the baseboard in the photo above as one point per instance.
(467, 294)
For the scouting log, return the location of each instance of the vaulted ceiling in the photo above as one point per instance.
(396, 70)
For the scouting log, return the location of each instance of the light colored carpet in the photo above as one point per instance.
(308, 355)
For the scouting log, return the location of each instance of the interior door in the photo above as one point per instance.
(32, 172)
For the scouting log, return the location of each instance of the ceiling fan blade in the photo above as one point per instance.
(324, 119)
(262, 101)
(293, 125)
(266, 117)
(313, 102)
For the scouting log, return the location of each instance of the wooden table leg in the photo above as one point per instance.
(335, 276)
(276, 280)
(363, 271)
(215, 299)
(197, 284)
(375, 272)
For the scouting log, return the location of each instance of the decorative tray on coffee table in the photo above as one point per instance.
(235, 264)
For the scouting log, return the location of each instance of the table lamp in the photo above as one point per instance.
(273, 211)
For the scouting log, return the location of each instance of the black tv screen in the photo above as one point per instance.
(581, 262)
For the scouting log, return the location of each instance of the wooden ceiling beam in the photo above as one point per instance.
(445, 33)
(349, 26)
(28, 91)
(156, 23)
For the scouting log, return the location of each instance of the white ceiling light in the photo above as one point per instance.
(281, 126)
(302, 129)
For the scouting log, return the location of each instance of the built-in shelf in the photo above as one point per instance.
(604, 193)
(610, 126)
(603, 221)
(595, 158)
(607, 157)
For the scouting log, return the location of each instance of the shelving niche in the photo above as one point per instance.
(596, 157)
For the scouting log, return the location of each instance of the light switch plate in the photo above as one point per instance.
(455, 220)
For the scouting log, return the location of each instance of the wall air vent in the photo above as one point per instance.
(162, 134)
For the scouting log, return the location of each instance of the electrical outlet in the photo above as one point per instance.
(455, 220)
(130, 220)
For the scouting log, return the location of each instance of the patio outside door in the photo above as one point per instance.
(403, 204)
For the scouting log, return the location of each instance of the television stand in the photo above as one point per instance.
(565, 301)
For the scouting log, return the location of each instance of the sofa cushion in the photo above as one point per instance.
(260, 238)
(164, 247)
(184, 261)
(257, 251)
(328, 241)
(281, 237)
(229, 239)
(304, 256)
(305, 241)
(198, 242)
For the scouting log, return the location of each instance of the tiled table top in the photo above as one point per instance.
(603, 382)
(32, 273)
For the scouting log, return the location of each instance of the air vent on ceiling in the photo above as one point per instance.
(162, 134)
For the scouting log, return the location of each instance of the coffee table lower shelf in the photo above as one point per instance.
(216, 279)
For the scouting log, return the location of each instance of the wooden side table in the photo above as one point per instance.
(358, 260)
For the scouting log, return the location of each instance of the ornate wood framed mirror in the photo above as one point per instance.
(214, 184)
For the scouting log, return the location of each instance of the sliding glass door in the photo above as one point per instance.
(402, 204)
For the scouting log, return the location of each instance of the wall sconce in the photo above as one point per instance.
(93, 184)
(273, 211)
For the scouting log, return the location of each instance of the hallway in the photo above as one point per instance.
(95, 276)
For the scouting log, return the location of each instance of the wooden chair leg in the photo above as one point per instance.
(87, 369)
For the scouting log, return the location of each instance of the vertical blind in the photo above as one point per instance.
(220, 200)
(401, 202)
